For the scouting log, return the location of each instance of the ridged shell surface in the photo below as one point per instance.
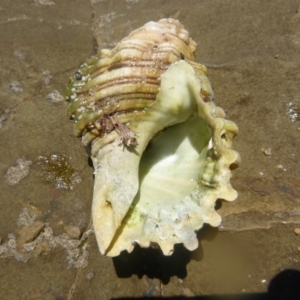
(126, 79)
(161, 149)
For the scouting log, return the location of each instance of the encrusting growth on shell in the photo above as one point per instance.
(161, 148)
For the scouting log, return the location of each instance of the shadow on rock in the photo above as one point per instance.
(152, 263)
(284, 286)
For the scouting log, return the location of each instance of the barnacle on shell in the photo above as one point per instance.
(161, 148)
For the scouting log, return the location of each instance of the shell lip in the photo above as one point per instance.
(213, 136)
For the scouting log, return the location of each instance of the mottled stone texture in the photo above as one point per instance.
(251, 49)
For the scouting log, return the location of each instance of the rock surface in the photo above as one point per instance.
(251, 49)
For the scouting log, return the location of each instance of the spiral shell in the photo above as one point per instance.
(161, 149)
(126, 80)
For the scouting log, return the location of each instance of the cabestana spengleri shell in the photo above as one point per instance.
(161, 148)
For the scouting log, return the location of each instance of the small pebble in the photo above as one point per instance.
(29, 233)
(267, 152)
(297, 231)
(187, 292)
(73, 232)
(42, 248)
(281, 167)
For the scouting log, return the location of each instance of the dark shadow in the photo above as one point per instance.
(284, 286)
(218, 204)
(207, 233)
(152, 263)
(222, 297)
(90, 162)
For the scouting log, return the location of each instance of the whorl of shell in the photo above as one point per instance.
(110, 89)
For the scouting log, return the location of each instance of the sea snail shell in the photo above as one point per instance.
(161, 148)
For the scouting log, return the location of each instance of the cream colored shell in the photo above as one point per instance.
(161, 149)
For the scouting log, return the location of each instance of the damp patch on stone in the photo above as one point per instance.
(57, 170)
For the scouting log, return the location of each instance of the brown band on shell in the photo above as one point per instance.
(126, 78)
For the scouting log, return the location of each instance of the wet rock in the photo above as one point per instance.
(73, 232)
(29, 233)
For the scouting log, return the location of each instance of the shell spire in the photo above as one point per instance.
(161, 149)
